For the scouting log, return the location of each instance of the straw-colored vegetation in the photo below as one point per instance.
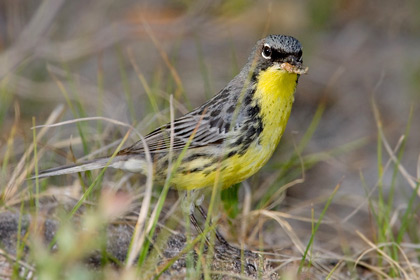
(338, 200)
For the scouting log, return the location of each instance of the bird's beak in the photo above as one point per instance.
(294, 67)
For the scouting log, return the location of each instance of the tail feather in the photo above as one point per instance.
(75, 168)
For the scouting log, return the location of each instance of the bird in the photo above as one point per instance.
(228, 138)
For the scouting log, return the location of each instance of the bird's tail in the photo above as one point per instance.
(79, 167)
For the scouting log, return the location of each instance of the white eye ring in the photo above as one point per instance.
(266, 51)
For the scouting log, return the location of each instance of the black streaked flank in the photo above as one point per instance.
(248, 98)
(231, 154)
(201, 168)
(253, 111)
(197, 169)
(259, 128)
(239, 141)
(196, 156)
(252, 134)
(207, 172)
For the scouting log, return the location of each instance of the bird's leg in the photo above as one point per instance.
(188, 206)
(197, 226)
(219, 236)
(195, 202)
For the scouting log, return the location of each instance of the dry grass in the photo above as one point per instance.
(338, 200)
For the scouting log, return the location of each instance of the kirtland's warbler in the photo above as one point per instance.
(228, 138)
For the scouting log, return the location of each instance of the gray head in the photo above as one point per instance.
(280, 50)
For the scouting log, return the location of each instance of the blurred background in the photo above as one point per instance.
(123, 59)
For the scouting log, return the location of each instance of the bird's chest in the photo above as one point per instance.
(262, 139)
(275, 96)
(275, 116)
(268, 114)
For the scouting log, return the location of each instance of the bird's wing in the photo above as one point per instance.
(194, 128)
(206, 125)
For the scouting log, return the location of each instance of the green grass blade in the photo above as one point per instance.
(315, 229)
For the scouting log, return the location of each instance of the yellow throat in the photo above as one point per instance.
(275, 92)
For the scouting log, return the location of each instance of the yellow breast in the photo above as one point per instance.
(274, 94)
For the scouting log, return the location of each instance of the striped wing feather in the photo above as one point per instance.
(158, 141)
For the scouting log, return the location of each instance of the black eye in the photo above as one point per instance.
(266, 52)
